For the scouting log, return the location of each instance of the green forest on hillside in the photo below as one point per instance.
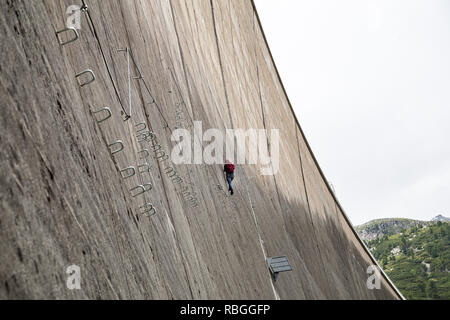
(417, 260)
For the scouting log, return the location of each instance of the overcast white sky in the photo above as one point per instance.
(370, 84)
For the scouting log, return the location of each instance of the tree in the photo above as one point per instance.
(404, 247)
(421, 285)
(432, 290)
(434, 252)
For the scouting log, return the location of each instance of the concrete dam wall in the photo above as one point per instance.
(69, 196)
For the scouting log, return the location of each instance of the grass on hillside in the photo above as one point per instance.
(417, 260)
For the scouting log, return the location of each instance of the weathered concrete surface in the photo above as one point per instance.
(64, 202)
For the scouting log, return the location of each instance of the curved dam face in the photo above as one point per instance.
(77, 179)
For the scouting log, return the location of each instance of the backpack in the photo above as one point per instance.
(230, 168)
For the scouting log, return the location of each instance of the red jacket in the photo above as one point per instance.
(228, 168)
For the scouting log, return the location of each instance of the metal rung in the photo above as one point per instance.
(75, 35)
(146, 208)
(161, 156)
(177, 179)
(139, 125)
(129, 172)
(156, 147)
(144, 188)
(117, 143)
(84, 72)
(145, 165)
(144, 151)
(145, 136)
(108, 111)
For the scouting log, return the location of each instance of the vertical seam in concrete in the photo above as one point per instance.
(165, 191)
(170, 213)
(263, 117)
(117, 168)
(303, 179)
(220, 63)
(261, 242)
(95, 34)
(183, 63)
(350, 262)
(309, 207)
(184, 70)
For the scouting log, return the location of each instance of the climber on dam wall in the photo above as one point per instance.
(228, 168)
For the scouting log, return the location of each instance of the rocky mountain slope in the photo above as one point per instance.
(440, 217)
(417, 260)
(378, 228)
